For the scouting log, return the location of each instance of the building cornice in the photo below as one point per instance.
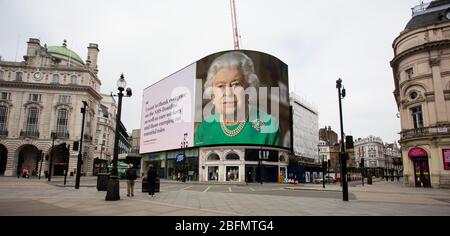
(421, 48)
(39, 86)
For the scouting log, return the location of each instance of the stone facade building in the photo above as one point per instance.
(43, 94)
(421, 69)
(372, 150)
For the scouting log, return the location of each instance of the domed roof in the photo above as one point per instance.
(428, 14)
(62, 52)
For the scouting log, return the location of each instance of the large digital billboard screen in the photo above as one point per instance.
(235, 97)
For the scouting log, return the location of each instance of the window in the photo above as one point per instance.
(409, 73)
(232, 173)
(232, 156)
(1, 75)
(88, 123)
(55, 79)
(19, 76)
(61, 122)
(32, 120)
(213, 173)
(417, 117)
(73, 79)
(213, 157)
(64, 98)
(35, 97)
(3, 118)
(5, 96)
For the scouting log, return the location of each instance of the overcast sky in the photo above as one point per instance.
(320, 41)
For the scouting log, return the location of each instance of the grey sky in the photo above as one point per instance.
(149, 40)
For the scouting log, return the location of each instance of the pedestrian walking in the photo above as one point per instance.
(131, 176)
(151, 178)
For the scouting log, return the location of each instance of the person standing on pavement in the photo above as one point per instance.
(151, 178)
(131, 176)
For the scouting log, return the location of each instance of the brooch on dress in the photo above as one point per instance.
(258, 124)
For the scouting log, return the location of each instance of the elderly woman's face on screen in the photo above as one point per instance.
(228, 89)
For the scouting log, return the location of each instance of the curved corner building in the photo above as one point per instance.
(421, 69)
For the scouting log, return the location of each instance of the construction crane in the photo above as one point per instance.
(236, 35)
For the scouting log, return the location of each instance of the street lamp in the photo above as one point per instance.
(79, 159)
(343, 154)
(362, 170)
(184, 144)
(53, 136)
(113, 184)
(323, 169)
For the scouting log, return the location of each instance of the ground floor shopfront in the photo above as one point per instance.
(426, 165)
(35, 156)
(220, 164)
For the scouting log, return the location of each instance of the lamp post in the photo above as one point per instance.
(113, 184)
(323, 170)
(184, 145)
(362, 170)
(53, 136)
(79, 159)
(343, 154)
(41, 158)
(101, 152)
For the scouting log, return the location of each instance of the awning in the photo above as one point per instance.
(417, 152)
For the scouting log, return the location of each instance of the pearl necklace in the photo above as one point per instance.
(232, 133)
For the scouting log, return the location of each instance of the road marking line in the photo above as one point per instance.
(229, 189)
(252, 189)
(206, 190)
(186, 188)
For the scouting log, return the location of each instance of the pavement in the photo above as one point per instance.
(28, 197)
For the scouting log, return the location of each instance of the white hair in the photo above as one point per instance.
(233, 59)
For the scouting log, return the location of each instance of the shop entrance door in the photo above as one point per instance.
(422, 172)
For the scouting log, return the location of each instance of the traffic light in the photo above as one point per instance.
(75, 146)
(40, 155)
(349, 142)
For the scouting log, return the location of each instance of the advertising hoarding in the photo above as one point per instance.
(235, 97)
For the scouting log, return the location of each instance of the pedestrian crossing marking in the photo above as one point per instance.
(206, 190)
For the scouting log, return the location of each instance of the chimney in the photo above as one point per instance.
(33, 46)
(92, 56)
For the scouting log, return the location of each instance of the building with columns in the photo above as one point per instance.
(421, 71)
(43, 94)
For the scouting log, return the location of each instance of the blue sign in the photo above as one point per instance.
(180, 158)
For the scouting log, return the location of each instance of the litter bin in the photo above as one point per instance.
(157, 185)
(102, 181)
(145, 185)
(369, 180)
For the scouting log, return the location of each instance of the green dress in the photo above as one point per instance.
(211, 133)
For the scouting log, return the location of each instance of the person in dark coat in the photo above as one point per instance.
(151, 178)
(131, 176)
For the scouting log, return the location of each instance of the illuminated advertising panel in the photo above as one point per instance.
(227, 98)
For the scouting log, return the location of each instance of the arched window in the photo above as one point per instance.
(3, 119)
(32, 122)
(73, 79)
(213, 157)
(61, 123)
(55, 79)
(232, 156)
